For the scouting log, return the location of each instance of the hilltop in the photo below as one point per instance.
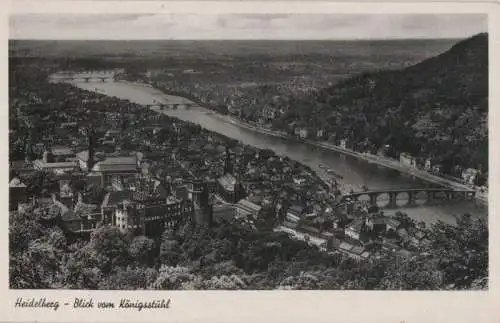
(434, 109)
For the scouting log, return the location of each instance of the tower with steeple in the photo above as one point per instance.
(228, 166)
(91, 135)
(229, 188)
(28, 149)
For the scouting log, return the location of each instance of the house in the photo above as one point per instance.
(320, 133)
(55, 167)
(354, 229)
(66, 194)
(303, 133)
(376, 223)
(343, 143)
(469, 175)
(244, 208)
(355, 252)
(295, 212)
(22, 167)
(407, 160)
(291, 224)
(17, 193)
(428, 165)
(436, 169)
(62, 153)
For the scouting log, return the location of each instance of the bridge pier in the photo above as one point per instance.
(430, 198)
(470, 195)
(433, 196)
(392, 200)
(412, 198)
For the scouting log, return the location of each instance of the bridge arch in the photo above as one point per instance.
(402, 198)
(383, 200)
(440, 196)
(364, 198)
(421, 198)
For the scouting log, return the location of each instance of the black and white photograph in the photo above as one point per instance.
(248, 151)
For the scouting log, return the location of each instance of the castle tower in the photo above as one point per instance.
(204, 210)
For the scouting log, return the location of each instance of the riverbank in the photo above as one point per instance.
(374, 159)
(379, 160)
(261, 130)
(295, 149)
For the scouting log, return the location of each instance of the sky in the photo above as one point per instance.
(244, 26)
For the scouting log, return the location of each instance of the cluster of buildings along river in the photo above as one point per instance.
(198, 169)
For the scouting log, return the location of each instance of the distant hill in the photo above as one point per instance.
(437, 108)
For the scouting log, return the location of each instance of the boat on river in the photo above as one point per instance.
(332, 172)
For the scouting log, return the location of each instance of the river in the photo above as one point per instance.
(355, 172)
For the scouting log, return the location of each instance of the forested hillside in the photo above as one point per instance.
(435, 109)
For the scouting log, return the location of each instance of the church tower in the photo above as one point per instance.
(28, 149)
(228, 166)
(91, 135)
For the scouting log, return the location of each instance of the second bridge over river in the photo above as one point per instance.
(411, 197)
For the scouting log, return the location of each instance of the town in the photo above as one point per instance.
(92, 160)
(123, 176)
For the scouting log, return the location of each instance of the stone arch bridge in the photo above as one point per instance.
(85, 76)
(172, 105)
(411, 197)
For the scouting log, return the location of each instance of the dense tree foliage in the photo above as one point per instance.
(232, 256)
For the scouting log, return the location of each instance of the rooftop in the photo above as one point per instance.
(114, 198)
(345, 246)
(357, 250)
(227, 181)
(62, 151)
(249, 205)
(20, 164)
(123, 160)
(296, 208)
(41, 163)
(16, 182)
(356, 225)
